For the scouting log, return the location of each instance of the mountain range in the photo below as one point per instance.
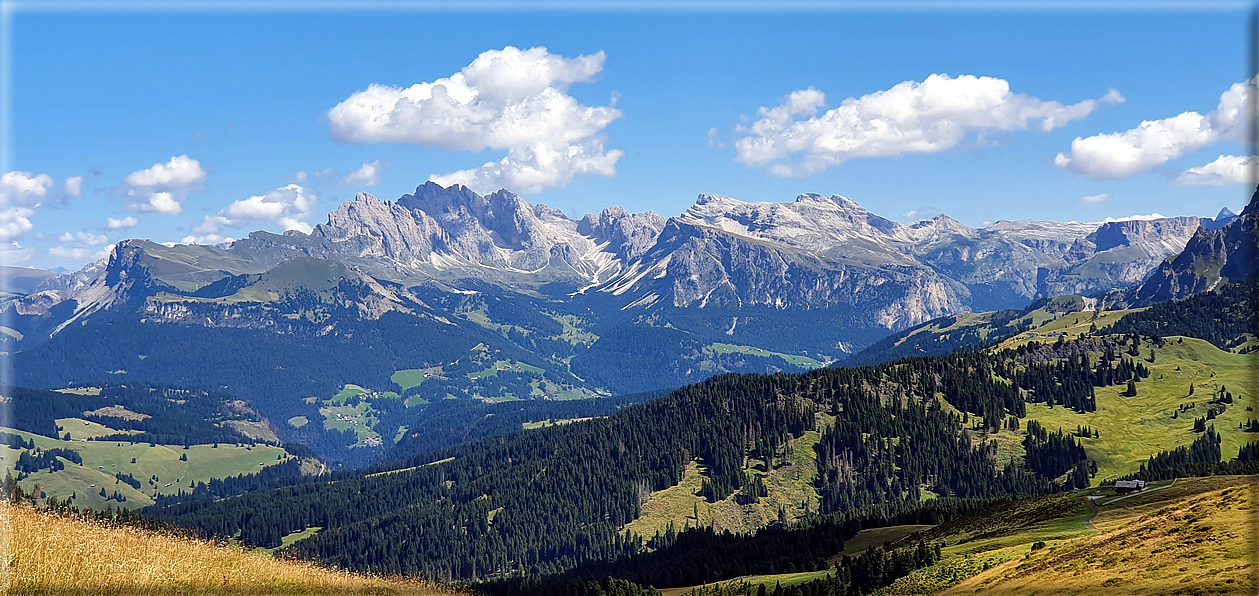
(492, 297)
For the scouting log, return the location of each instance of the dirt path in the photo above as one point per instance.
(1093, 501)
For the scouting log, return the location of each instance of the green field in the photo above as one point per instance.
(86, 429)
(289, 539)
(102, 459)
(408, 378)
(793, 359)
(1133, 428)
(359, 418)
(399, 471)
(505, 366)
(549, 422)
(347, 392)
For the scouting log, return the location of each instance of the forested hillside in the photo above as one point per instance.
(545, 501)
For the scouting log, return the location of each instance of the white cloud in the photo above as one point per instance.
(69, 252)
(713, 140)
(300, 176)
(163, 187)
(325, 174)
(15, 254)
(24, 188)
(510, 99)
(84, 238)
(920, 213)
(21, 195)
(208, 239)
(1226, 169)
(1149, 217)
(15, 221)
(119, 224)
(1155, 142)
(285, 207)
(73, 187)
(531, 168)
(1092, 199)
(911, 117)
(368, 175)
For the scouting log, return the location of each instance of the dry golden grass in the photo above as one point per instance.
(1195, 541)
(53, 554)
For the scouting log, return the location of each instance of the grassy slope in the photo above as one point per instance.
(50, 554)
(1073, 324)
(1193, 538)
(1133, 428)
(794, 359)
(102, 459)
(790, 486)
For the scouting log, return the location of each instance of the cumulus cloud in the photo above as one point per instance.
(1149, 217)
(24, 188)
(510, 99)
(920, 213)
(15, 221)
(1226, 169)
(21, 195)
(1155, 142)
(163, 187)
(208, 239)
(368, 175)
(84, 238)
(112, 223)
(325, 175)
(68, 252)
(285, 207)
(73, 187)
(15, 254)
(933, 115)
(1092, 199)
(78, 253)
(300, 176)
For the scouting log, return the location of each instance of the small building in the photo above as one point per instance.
(1124, 487)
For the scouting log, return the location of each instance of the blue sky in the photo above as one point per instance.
(677, 104)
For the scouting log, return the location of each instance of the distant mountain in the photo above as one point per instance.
(1117, 255)
(1225, 216)
(491, 297)
(22, 280)
(1210, 258)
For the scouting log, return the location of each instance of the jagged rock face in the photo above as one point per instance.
(1211, 257)
(695, 266)
(371, 227)
(816, 252)
(629, 235)
(1167, 235)
(500, 228)
(1050, 238)
(1116, 255)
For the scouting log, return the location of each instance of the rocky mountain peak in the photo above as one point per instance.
(839, 201)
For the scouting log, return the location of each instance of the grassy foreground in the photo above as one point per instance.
(54, 554)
